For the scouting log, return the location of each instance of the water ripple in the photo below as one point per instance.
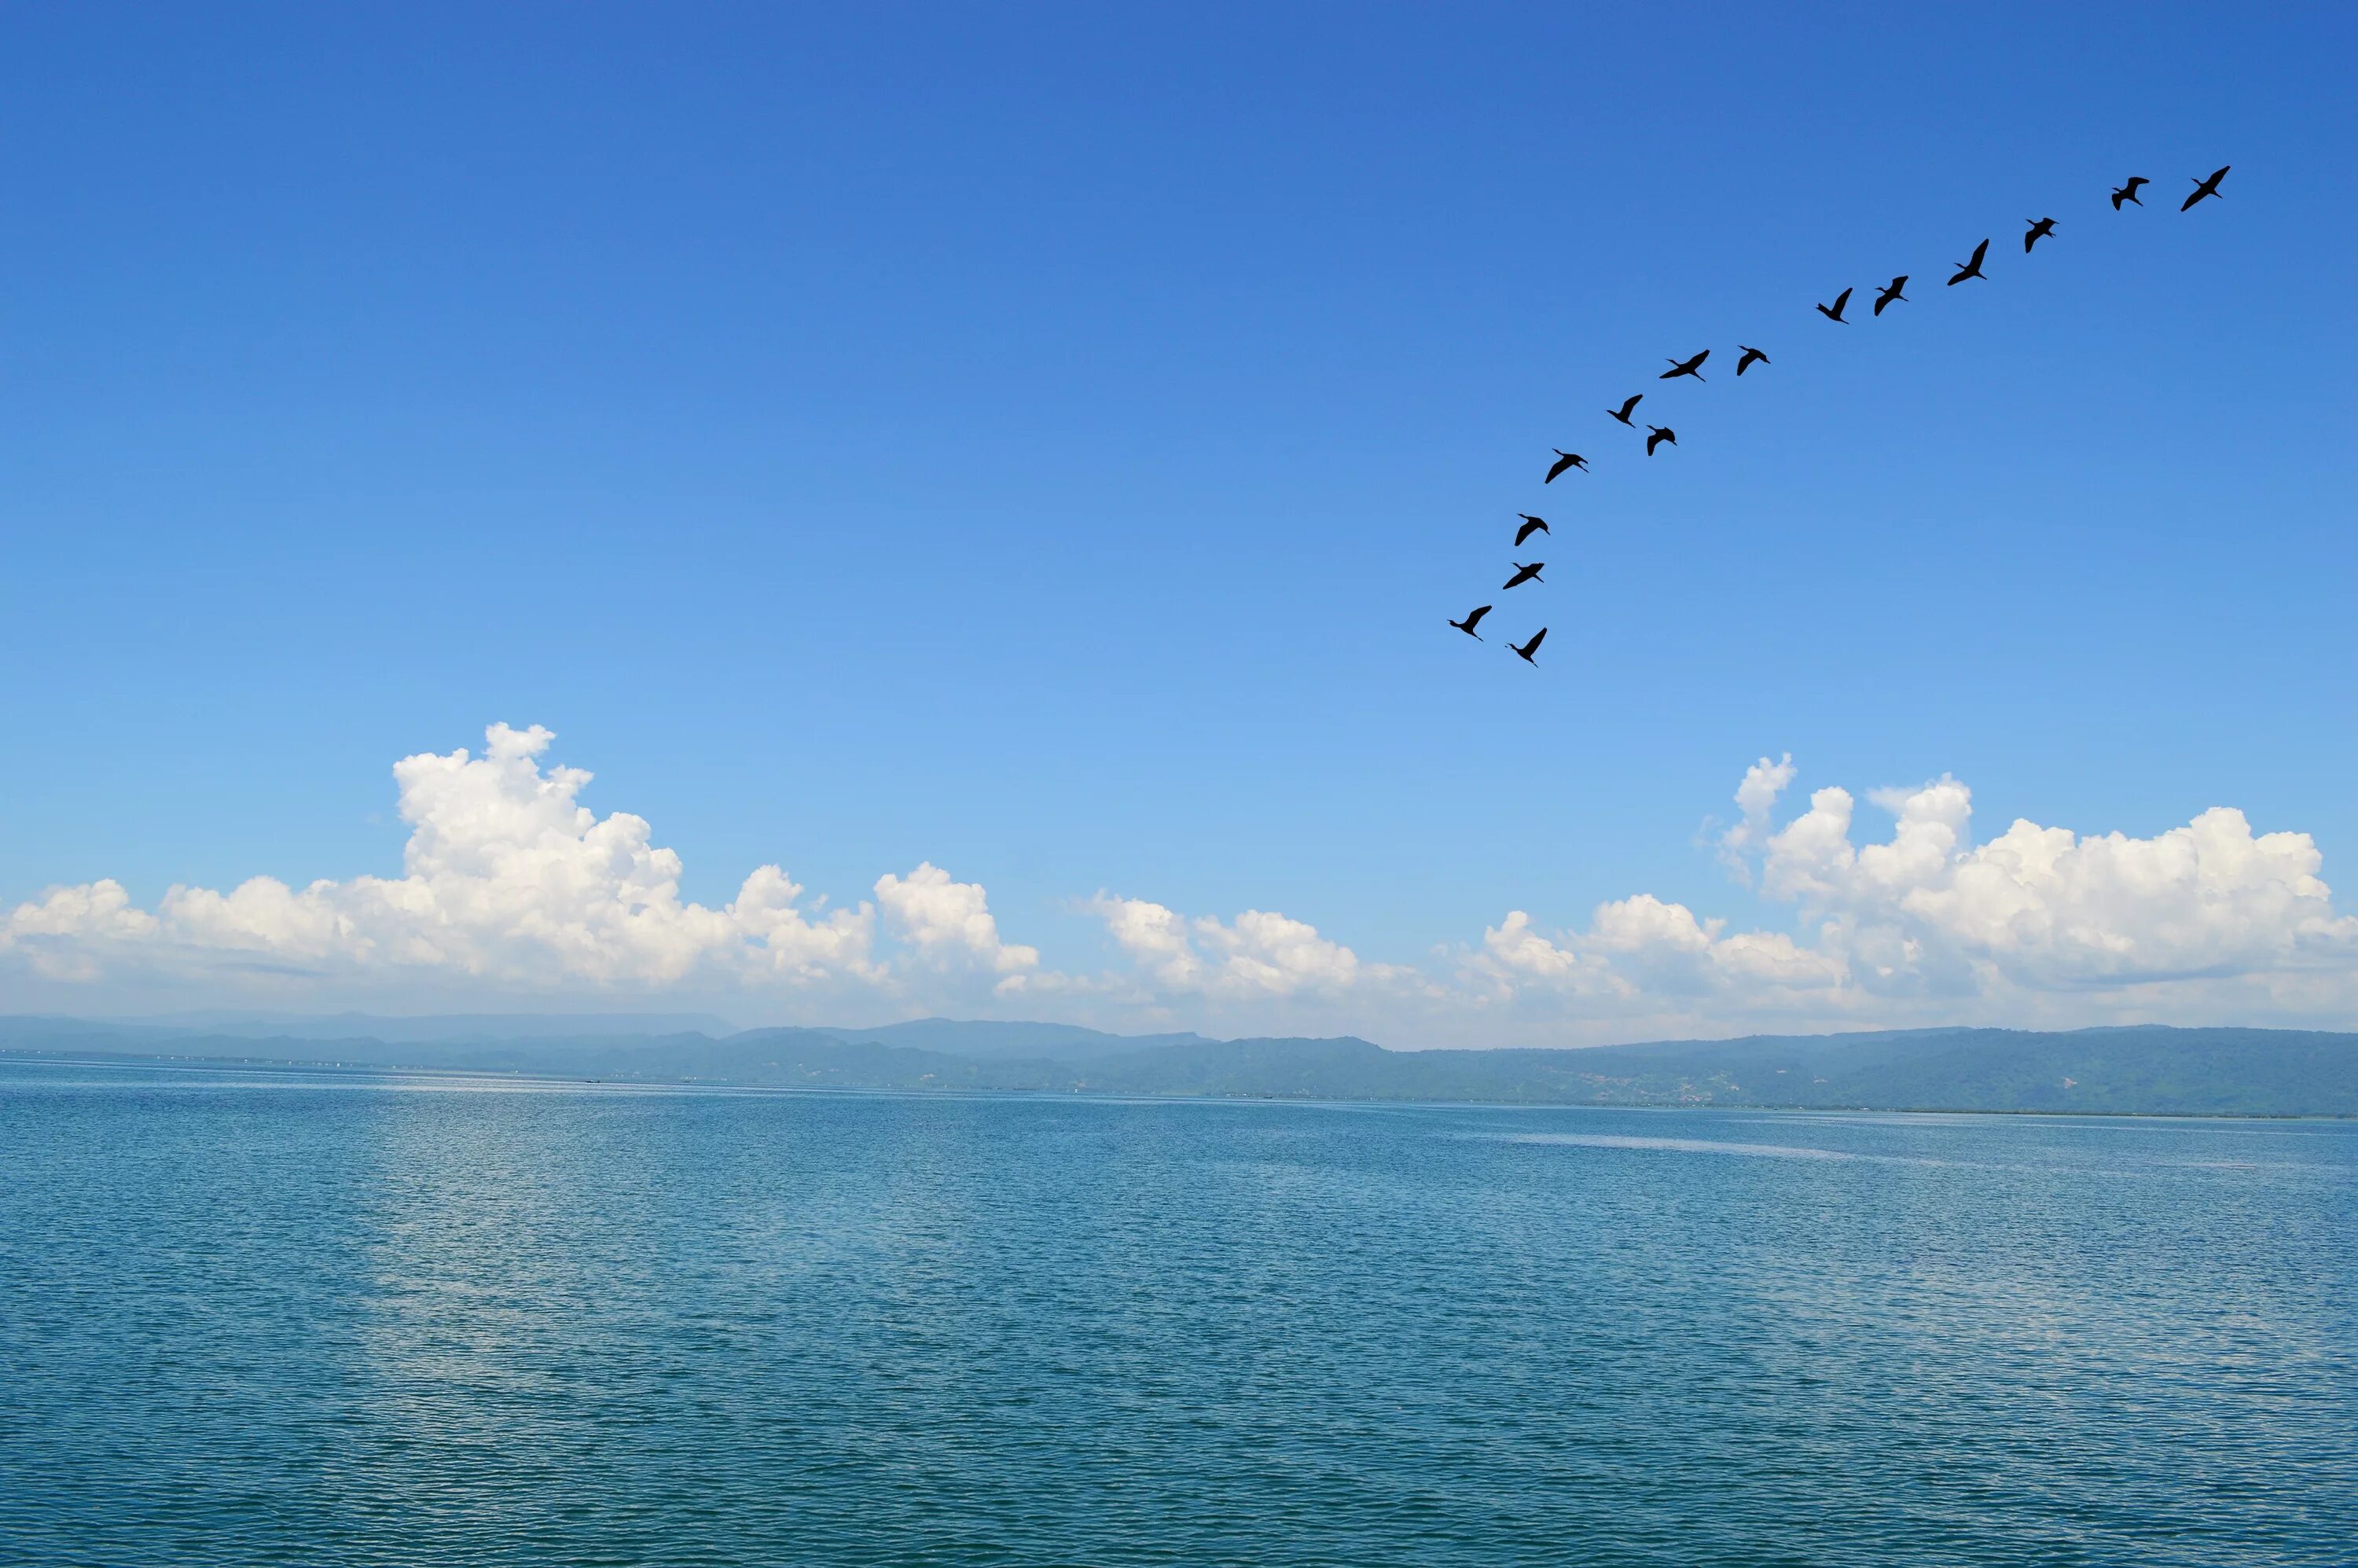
(266, 1319)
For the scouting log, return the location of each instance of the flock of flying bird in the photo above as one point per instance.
(1662, 435)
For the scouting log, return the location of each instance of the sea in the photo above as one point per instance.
(280, 1316)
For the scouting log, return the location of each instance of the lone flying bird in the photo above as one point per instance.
(1751, 357)
(1842, 303)
(1622, 413)
(1892, 294)
(2129, 192)
(1564, 461)
(1661, 433)
(2203, 187)
(1473, 620)
(1971, 268)
(2039, 228)
(1526, 573)
(1686, 367)
(1528, 649)
(1532, 526)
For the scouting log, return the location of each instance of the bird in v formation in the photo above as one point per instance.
(2036, 229)
(1971, 268)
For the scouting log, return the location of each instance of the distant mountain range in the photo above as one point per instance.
(2146, 1069)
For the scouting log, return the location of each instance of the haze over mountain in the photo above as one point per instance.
(449, 1026)
(2146, 1069)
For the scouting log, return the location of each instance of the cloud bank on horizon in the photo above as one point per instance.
(512, 890)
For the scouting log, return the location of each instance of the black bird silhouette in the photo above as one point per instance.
(2041, 228)
(2203, 187)
(1564, 461)
(1971, 268)
(1622, 413)
(1661, 433)
(1892, 294)
(1473, 620)
(1532, 526)
(1686, 367)
(1528, 649)
(1842, 303)
(1751, 356)
(1526, 573)
(2129, 192)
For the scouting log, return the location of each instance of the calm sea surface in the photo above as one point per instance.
(306, 1318)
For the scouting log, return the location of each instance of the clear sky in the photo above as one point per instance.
(1044, 444)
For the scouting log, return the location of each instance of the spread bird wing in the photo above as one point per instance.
(1980, 251)
(1474, 618)
(1527, 530)
(1533, 646)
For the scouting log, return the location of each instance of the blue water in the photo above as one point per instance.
(303, 1318)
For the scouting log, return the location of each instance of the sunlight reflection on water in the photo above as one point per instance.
(254, 1317)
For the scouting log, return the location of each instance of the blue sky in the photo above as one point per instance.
(1046, 442)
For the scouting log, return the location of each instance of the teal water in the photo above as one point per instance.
(301, 1318)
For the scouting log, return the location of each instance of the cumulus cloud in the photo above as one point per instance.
(2037, 925)
(509, 883)
(1257, 955)
(506, 878)
(949, 924)
(1764, 781)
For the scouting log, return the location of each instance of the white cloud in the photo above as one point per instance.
(1642, 959)
(510, 884)
(1763, 781)
(949, 924)
(2038, 926)
(506, 879)
(1259, 955)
